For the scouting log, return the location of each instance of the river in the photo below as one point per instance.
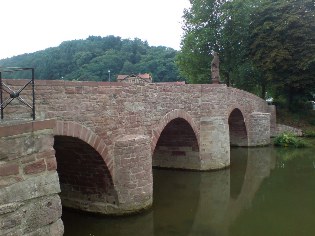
(266, 191)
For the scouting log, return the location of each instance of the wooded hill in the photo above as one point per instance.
(90, 60)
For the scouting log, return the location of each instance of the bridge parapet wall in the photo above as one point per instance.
(116, 109)
(29, 184)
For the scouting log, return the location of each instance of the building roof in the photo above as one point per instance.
(144, 77)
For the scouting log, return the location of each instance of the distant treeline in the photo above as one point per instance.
(92, 58)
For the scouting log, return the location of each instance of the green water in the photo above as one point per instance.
(267, 191)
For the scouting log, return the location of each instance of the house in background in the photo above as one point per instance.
(135, 79)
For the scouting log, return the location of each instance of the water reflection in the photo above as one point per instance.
(284, 203)
(176, 201)
(235, 188)
(262, 190)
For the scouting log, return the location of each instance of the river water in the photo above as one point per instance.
(267, 191)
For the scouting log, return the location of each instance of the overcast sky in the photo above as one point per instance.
(32, 25)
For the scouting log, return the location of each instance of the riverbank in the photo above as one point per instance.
(304, 120)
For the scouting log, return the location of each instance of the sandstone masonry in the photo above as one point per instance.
(106, 137)
(29, 184)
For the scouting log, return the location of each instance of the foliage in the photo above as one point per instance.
(221, 26)
(282, 46)
(90, 59)
(265, 46)
(289, 140)
(309, 133)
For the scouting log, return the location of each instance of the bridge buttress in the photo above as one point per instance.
(259, 129)
(133, 173)
(214, 143)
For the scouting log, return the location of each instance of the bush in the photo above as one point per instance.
(289, 140)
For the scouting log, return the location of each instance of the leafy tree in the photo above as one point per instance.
(236, 67)
(202, 26)
(91, 59)
(221, 26)
(282, 46)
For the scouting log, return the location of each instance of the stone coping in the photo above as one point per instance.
(18, 127)
(21, 82)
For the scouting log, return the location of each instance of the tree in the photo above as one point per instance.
(236, 67)
(282, 46)
(90, 59)
(221, 26)
(202, 26)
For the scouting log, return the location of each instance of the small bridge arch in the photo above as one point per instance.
(175, 142)
(156, 132)
(237, 128)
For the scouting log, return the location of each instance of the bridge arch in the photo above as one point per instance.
(175, 142)
(85, 177)
(237, 128)
(156, 132)
(76, 130)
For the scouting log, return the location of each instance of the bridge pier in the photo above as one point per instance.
(214, 143)
(259, 129)
(133, 173)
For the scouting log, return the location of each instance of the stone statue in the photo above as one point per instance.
(215, 73)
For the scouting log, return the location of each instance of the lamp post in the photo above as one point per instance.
(108, 75)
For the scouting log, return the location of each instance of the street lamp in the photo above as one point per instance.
(109, 75)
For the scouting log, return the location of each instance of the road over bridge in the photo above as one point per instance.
(103, 139)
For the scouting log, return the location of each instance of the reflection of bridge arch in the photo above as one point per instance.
(258, 167)
(177, 144)
(85, 179)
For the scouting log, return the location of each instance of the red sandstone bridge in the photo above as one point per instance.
(103, 139)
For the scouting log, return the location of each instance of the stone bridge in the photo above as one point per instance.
(97, 143)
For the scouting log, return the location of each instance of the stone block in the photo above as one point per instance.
(9, 169)
(35, 168)
(41, 212)
(39, 216)
(33, 187)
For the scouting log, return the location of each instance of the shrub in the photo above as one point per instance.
(289, 140)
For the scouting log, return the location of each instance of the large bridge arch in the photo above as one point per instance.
(175, 142)
(76, 130)
(86, 181)
(237, 127)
